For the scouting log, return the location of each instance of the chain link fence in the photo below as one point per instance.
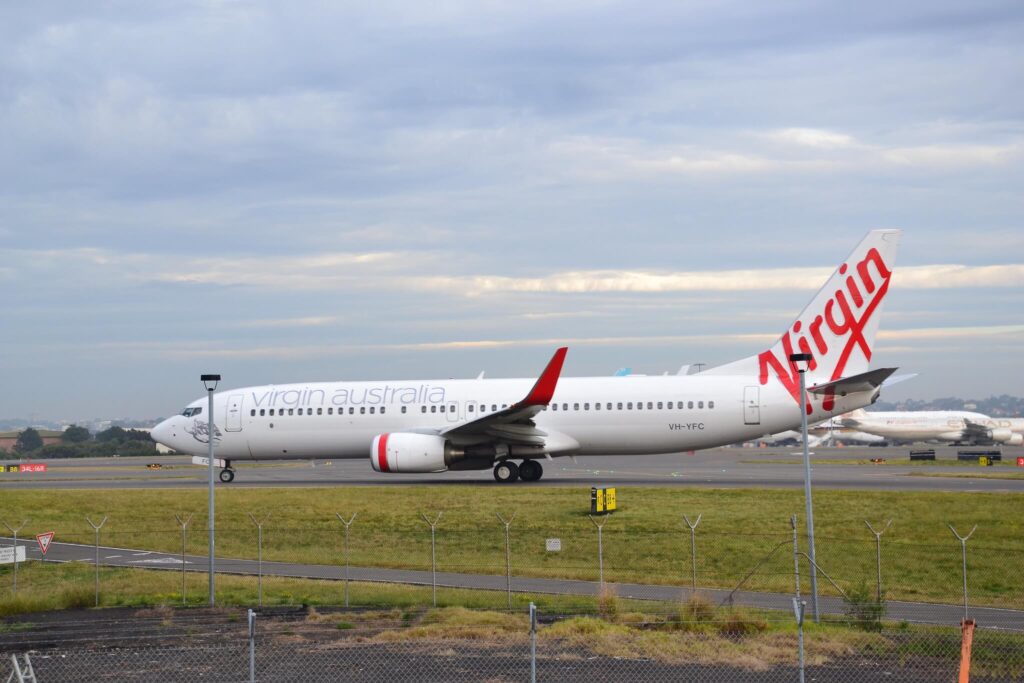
(891, 572)
(689, 642)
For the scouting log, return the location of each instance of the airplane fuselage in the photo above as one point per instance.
(938, 426)
(587, 416)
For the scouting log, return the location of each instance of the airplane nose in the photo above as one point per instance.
(162, 433)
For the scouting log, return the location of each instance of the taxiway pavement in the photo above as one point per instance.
(843, 468)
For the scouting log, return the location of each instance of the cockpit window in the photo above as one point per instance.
(192, 412)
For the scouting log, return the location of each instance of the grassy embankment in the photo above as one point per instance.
(694, 631)
(646, 541)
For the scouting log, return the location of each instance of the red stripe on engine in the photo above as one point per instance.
(382, 453)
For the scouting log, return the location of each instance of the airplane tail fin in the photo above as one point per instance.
(838, 327)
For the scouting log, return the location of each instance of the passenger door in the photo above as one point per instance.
(233, 419)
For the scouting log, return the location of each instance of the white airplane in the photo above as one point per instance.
(938, 426)
(827, 433)
(479, 424)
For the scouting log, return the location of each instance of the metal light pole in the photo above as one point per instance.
(210, 383)
(802, 361)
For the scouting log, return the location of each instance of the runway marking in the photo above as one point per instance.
(627, 473)
(159, 560)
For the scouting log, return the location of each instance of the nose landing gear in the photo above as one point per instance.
(227, 475)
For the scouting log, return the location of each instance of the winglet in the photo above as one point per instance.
(544, 389)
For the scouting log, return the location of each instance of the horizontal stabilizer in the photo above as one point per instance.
(865, 381)
(896, 379)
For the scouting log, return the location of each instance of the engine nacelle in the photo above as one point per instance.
(1015, 440)
(405, 452)
(1002, 435)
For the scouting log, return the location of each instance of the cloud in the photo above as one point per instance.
(811, 137)
(912, 277)
(953, 332)
(952, 156)
(310, 321)
(750, 340)
(411, 271)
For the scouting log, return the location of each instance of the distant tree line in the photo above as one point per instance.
(78, 442)
(993, 406)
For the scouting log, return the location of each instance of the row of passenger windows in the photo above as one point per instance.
(564, 407)
(319, 411)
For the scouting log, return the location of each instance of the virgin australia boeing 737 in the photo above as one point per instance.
(510, 425)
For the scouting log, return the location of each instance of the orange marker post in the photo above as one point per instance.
(965, 650)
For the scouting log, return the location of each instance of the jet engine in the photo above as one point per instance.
(405, 452)
(1004, 435)
(1011, 438)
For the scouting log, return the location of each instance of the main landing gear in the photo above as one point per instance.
(227, 475)
(507, 471)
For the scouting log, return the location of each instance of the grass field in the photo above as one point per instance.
(646, 541)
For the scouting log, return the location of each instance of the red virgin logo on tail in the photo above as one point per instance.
(856, 303)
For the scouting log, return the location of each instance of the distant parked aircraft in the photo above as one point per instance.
(937, 426)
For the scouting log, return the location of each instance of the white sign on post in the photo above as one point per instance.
(205, 462)
(11, 554)
(554, 545)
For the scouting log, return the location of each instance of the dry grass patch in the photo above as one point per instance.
(459, 623)
(737, 640)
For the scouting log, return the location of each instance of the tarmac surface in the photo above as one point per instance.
(844, 468)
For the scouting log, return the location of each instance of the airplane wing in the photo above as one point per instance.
(514, 425)
(974, 431)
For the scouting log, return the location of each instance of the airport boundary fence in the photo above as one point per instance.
(689, 642)
(353, 562)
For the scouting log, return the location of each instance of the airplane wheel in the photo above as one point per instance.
(227, 476)
(506, 471)
(531, 470)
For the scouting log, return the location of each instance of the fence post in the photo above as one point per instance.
(183, 523)
(533, 643)
(963, 552)
(347, 525)
(96, 528)
(796, 555)
(252, 646)
(433, 554)
(798, 610)
(259, 554)
(600, 549)
(14, 531)
(508, 556)
(693, 550)
(878, 557)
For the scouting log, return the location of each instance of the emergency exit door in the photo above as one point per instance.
(752, 405)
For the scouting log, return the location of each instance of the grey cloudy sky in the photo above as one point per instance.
(303, 191)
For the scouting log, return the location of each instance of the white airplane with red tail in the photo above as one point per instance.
(512, 425)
